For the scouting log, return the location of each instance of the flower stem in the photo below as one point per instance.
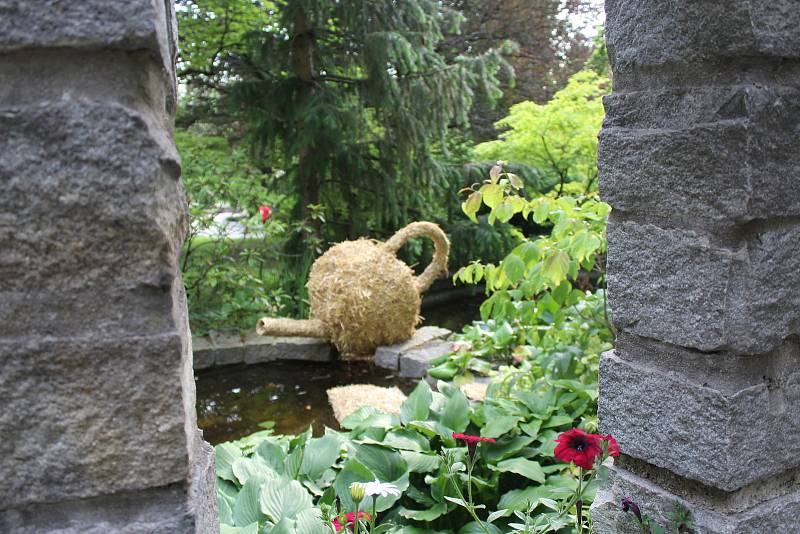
(470, 506)
(372, 519)
(355, 521)
(579, 499)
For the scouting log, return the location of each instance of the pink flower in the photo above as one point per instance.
(472, 442)
(458, 345)
(266, 211)
(350, 520)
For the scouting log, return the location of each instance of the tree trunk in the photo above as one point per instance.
(303, 66)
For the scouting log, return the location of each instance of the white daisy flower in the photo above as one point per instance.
(381, 489)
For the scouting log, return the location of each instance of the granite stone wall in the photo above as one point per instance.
(98, 419)
(700, 159)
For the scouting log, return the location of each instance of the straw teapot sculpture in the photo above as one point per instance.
(362, 296)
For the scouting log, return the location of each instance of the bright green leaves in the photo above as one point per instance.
(556, 267)
(417, 406)
(521, 466)
(471, 206)
(492, 195)
(225, 455)
(283, 498)
(320, 454)
(455, 414)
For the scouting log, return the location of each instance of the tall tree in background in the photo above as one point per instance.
(352, 99)
(550, 49)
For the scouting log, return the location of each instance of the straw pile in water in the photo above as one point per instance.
(363, 296)
(347, 399)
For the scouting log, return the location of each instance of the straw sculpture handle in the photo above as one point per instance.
(269, 326)
(438, 266)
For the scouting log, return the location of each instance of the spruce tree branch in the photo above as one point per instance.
(338, 79)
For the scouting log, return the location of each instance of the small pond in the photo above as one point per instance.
(232, 400)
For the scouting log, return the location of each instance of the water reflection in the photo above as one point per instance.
(233, 400)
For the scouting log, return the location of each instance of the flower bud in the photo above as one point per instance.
(357, 492)
(629, 506)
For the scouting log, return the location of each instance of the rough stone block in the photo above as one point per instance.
(83, 417)
(227, 349)
(388, 356)
(710, 418)
(414, 362)
(777, 512)
(163, 510)
(87, 161)
(719, 153)
(265, 349)
(203, 359)
(87, 24)
(668, 284)
(644, 33)
(683, 287)
(102, 311)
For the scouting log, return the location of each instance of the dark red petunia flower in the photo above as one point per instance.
(266, 211)
(579, 447)
(351, 519)
(472, 441)
(613, 447)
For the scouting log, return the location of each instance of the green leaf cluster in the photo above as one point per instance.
(278, 483)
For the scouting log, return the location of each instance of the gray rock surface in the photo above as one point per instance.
(699, 157)
(229, 349)
(99, 424)
(388, 356)
(773, 511)
(414, 363)
(721, 433)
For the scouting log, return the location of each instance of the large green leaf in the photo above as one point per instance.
(455, 413)
(520, 499)
(225, 454)
(224, 510)
(474, 528)
(556, 266)
(386, 464)
(249, 529)
(353, 471)
(309, 521)
(417, 406)
(246, 509)
(430, 514)
(244, 468)
(367, 416)
(273, 455)
(283, 499)
(521, 466)
(228, 491)
(406, 439)
(506, 447)
(498, 426)
(419, 462)
(320, 454)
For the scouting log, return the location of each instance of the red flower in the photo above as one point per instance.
(472, 441)
(579, 447)
(613, 448)
(266, 211)
(351, 519)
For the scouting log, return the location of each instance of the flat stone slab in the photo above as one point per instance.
(388, 357)
(228, 349)
(414, 363)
